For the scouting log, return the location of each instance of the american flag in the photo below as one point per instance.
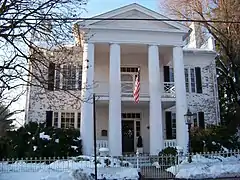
(137, 87)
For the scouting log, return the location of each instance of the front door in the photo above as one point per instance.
(127, 136)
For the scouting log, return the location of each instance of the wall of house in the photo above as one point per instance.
(41, 100)
(206, 101)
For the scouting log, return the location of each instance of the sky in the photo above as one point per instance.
(95, 7)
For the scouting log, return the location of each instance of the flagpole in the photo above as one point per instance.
(95, 135)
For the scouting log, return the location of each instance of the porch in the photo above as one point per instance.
(135, 122)
(167, 143)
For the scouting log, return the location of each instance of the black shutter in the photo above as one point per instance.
(166, 74)
(198, 79)
(51, 76)
(49, 118)
(168, 118)
(201, 120)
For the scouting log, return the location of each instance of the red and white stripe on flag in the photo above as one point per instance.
(136, 90)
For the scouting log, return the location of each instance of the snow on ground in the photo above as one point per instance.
(212, 167)
(77, 168)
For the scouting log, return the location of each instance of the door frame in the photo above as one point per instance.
(135, 120)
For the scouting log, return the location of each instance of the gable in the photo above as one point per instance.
(133, 11)
(134, 24)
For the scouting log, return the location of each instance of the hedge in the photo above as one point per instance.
(36, 140)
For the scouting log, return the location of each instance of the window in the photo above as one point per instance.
(168, 74)
(67, 77)
(198, 120)
(128, 75)
(131, 116)
(66, 120)
(138, 128)
(170, 122)
(186, 79)
(193, 80)
(174, 130)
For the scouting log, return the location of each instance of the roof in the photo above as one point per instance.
(131, 7)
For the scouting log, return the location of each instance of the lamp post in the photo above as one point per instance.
(189, 120)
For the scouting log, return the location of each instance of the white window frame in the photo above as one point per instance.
(58, 114)
(77, 85)
(133, 74)
(190, 83)
(174, 129)
(171, 74)
(195, 120)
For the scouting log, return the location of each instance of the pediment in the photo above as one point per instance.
(134, 24)
(134, 12)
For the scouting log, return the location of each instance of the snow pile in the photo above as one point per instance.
(81, 167)
(202, 167)
(42, 135)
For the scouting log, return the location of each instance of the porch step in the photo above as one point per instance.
(143, 161)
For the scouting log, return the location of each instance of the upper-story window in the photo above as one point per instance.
(128, 75)
(193, 80)
(66, 77)
(168, 74)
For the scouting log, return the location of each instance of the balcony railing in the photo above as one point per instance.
(102, 89)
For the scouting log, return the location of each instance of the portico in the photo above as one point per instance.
(116, 36)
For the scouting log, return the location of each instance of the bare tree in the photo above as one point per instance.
(31, 31)
(227, 37)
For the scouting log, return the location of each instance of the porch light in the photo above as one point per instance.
(189, 117)
(189, 120)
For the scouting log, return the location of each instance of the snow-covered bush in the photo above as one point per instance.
(213, 138)
(36, 140)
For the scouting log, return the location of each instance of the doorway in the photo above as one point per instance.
(128, 136)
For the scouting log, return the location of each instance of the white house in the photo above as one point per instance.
(173, 78)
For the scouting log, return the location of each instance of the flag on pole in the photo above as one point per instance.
(136, 90)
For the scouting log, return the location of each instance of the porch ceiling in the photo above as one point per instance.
(131, 104)
(131, 49)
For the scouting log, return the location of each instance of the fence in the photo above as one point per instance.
(162, 167)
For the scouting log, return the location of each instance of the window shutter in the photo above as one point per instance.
(198, 79)
(49, 118)
(51, 76)
(168, 118)
(166, 74)
(201, 120)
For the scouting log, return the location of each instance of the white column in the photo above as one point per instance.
(155, 108)
(181, 98)
(115, 120)
(86, 130)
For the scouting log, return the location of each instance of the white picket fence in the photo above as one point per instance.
(150, 166)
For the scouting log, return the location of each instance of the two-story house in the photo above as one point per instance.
(173, 78)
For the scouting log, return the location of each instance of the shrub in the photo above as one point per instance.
(167, 157)
(32, 141)
(213, 138)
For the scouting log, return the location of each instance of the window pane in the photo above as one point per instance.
(55, 122)
(79, 121)
(69, 77)
(171, 75)
(80, 78)
(193, 83)
(126, 77)
(57, 78)
(67, 120)
(186, 79)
